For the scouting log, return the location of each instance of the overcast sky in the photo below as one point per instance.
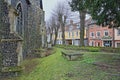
(48, 6)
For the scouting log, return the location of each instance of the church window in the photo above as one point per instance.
(19, 25)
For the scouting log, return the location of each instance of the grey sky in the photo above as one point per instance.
(48, 6)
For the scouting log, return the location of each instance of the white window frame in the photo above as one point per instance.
(117, 44)
(97, 33)
(69, 34)
(78, 26)
(92, 43)
(118, 32)
(105, 32)
(72, 34)
(77, 33)
(91, 34)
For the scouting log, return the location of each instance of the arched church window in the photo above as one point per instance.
(19, 25)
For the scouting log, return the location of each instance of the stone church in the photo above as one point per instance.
(22, 29)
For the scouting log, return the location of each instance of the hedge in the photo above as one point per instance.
(71, 47)
(91, 49)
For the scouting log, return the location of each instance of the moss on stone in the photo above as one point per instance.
(12, 69)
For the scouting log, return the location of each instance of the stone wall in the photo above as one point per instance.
(34, 36)
(33, 20)
(8, 41)
(13, 46)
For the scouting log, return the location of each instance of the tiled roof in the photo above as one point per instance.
(75, 26)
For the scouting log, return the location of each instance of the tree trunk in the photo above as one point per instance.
(56, 34)
(63, 30)
(113, 41)
(63, 34)
(51, 38)
(82, 27)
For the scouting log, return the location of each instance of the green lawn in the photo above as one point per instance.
(55, 67)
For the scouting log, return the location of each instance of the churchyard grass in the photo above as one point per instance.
(92, 66)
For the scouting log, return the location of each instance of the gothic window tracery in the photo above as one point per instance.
(19, 28)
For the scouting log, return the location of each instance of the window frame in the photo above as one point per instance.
(92, 34)
(77, 33)
(118, 32)
(97, 33)
(72, 34)
(105, 32)
(69, 34)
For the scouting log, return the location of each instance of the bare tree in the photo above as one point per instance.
(53, 27)
(61, 13)
(56, 33)
(56, 27)
(50, 30)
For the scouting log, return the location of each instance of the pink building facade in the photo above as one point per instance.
(117, 37)
(103, 36)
